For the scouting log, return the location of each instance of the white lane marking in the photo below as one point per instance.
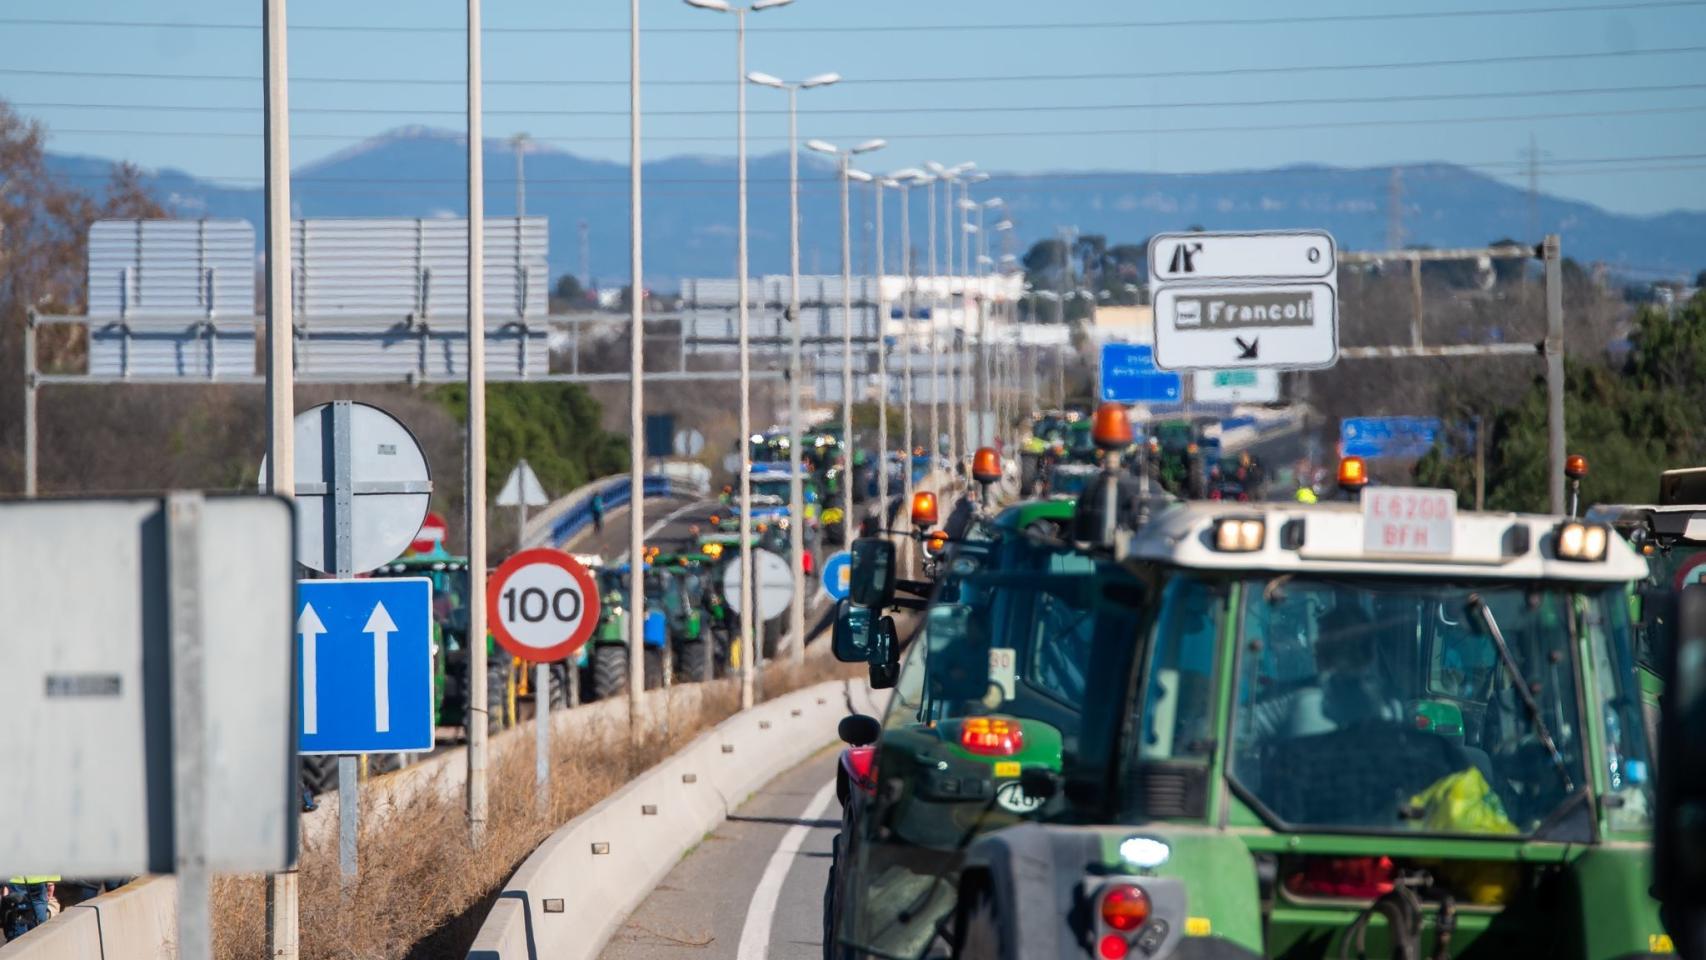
(761, 914)
(666, 521)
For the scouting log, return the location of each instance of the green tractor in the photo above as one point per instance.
(1350, 731)
(607, 658)
(450, 596)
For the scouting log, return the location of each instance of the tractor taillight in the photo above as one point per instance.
(992, 736)
(1124, 907)
(1112, 947)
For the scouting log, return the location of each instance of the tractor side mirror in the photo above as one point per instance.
(852, 639)
(872, 573)
(858, 730)
(1679, 841)
(885, 655)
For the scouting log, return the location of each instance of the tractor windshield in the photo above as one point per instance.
(1425, 705)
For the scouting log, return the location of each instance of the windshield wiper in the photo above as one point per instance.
(1522, 690)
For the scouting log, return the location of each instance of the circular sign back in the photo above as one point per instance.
(772, 584)
(542, 605)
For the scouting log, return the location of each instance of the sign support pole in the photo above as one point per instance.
(30, 388)
(542, 732)
(1554, 371)
(281, 895)
(636, 392)
(339, 521)
(476, 494)
(189, 743)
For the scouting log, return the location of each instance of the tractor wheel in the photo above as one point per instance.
(654, 668)
(693, 661)
(320, 774)
(609, 671)
(497, 694)
(560, 684)
(378, 763)
(980, 930)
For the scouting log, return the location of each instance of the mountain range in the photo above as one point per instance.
(690, 205)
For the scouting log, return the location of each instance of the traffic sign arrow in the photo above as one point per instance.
(1247, 351)
(309, 628)
(381, 626)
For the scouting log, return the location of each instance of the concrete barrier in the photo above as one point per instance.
(135, 922)
(577, 889)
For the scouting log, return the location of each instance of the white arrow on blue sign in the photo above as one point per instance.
(837, 574)
(365, 651)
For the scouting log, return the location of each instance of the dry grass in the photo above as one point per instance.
(423, 889)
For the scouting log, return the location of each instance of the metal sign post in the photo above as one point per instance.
(544, 606)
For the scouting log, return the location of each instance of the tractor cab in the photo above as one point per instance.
(1382, 727)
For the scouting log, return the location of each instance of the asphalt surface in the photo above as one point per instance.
(667, 521)
(753, 887)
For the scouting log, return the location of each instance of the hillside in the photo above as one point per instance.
(691, 202)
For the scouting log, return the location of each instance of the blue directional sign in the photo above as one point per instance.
(838, 574)
(1397, 437)
(1129, 375)
(364, 648)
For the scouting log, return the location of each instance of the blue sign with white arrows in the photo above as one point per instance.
(364, 648)
(1129, 375)
(1379, 437)
(838, 574)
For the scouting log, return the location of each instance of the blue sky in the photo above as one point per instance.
(928, 80)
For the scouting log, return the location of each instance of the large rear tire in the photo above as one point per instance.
(609, 670)
(320, 774)
(692, 661)
(654, 667)
(559, 698)
(497, 693)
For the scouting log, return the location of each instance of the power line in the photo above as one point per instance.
(1411, 15)
(983, 134)
(849, 81)
(969, 108)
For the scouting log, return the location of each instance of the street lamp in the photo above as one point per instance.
(844, 159)
(956, 401)
(905, 180)
(748, 651)
(796, 508)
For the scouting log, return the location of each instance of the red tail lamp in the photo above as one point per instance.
(1575, 466)
(1353, 474)
(986, 465)
(992, 736)
(1111, 427)
(924, 509)
(1125, 907)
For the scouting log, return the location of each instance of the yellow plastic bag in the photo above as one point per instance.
(1464, 802)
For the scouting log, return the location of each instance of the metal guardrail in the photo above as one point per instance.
(572, 513)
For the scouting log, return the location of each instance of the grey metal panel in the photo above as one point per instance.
(184, 347)
(141, 268)
(83, 592)
(402, 266)
(367, 349)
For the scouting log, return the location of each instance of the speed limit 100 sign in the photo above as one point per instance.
(542, 605)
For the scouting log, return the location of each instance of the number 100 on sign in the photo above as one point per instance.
(543, 605)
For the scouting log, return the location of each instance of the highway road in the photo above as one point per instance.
(754, 886)
(668, 520)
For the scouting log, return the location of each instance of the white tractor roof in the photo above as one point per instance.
(1483, 544)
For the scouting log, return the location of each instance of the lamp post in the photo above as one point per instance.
(877, 184)
(796, 506)
(844, 159)
(748, 651)
(905, 180)
(956, 400)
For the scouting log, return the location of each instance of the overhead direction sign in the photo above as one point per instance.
(1245, 300)
(1128, 375)
(838, 575)
(542, 605)
(1378, 437)
(1251, 385)
(365, 648)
